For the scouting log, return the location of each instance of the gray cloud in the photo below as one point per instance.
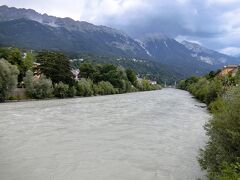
(213, 23)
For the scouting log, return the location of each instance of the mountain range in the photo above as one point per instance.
(27, 28)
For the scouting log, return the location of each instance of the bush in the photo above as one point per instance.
(61, 90)
(71, 91)
(38, 88)
(104, 88)
(84, 87)
(205, 90)
(224, 133)
(217, 105)
(184, 84)
(8, 79)
(229, 171)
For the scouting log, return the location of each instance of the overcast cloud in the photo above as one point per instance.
(212, 23)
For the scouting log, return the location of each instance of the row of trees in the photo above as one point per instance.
(221, 155)
(15, 57)
(57, 80)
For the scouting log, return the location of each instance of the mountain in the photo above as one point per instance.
(168, 51)
(208, 56)
(25, 28)
(29, 29)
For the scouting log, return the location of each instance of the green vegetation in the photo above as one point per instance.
(8, 79)
(146, 68)
(131, 75)
(109, 79)
(55, 66)
(104, 87)
(84, 87)
(61, 90)
(28, 62)
(47, 74)
(38, 88)
(221, 155)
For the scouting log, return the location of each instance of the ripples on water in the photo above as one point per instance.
(142, 136)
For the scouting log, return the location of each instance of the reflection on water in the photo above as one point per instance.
(147, 135)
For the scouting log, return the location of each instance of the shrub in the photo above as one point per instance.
(38, 88)
(229, 171)
(131, 75)
(84, 87)
(8, 79)
(104, 88)
(61, 90)
(71, 91)
(224, 136)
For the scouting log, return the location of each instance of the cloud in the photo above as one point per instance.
(233, 51)
(213, 23)
(221, 2)
(185, 38)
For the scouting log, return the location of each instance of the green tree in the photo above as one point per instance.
(8, 79)
(87, 71)
(71, 91)
(84, 87)
(104, 88)
(110, 73)
(55, 66)
(237, 78)
(61, 90)
(131, 75)
(146, 85)
(15, 57)
(28, 62)
(38, 88)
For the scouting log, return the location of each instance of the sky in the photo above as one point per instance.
(212, 23)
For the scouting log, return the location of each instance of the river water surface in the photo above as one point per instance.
(138, 136)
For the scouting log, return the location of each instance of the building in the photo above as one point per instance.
(75, 73)
(36, 70)
(150, 81)
(153, 82)
(229, 70)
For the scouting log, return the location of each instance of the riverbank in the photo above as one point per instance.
(50, 75)
(221, 156)
(75, 97)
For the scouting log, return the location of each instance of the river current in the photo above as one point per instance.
(138, 136)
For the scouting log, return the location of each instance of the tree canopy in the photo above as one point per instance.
(8, 78)
(55, 66)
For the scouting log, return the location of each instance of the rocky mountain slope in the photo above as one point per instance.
(28, 29)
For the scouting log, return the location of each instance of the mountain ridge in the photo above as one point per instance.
(30, 29)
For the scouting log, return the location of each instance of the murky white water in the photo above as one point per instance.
(138, 136)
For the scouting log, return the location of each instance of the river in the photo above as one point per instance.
(136, 136)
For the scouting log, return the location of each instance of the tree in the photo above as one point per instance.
(55, 66)
(61, 90)
(28, 62)
(71, 91)
(104, 88)
(84, 87)
(87, 71)
(15, 57)
(114, 75)
(8, 79)
(38, 88)
(146, 85)
(131, 75)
